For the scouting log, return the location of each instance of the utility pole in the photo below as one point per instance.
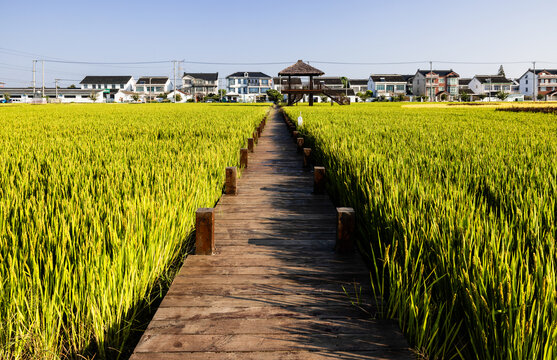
(174, 62)
(34, 72)
(430, 80)
(56, 87)
(43, 77)
(535, 82)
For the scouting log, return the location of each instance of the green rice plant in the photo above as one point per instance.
(96, 203)
(457, 211)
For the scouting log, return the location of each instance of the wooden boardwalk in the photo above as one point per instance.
(274, 289)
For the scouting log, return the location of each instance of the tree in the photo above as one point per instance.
(501, 71)
(344, 80)
(324, 98)
(464, 96)
(93, 96)
(222, 93)
(7, 97)
(72, 86)
(135, 97)
(163, 96)
(540, 97)
(178, 97)
(501, 95)
(364, 96)
(443, 97)
(274, 95)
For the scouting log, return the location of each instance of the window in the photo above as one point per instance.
(526, 81)
(442, 80)
(253, 81)
(253, 90)
(264, 82)
(263, 90)
(496, 87)
(390, 88)
(158, 88)
(543, 89)
(69, 96)
(381, 87)
(140, 88)
(453, 90)
(230, 82)
(441, 88)
(400, 88)
(526, 89)
(122, 86)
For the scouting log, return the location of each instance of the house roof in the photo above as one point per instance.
(550, 71)
(106, 79)
(295, 80)
(358, 82)
(203, 76)
(498, 79)
(300, 68)
(438, 72)
(407, 77)
(47, 91)
(464, 81)
(387, 78)
(153, 80)
(328, 80)
(255, 74)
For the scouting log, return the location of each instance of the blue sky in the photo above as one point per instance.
(281, 31)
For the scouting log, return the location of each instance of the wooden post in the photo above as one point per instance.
(307, 153)
(318, 180)
(300, 143)
(250, 144)
(204, 231)
(231, 181)
(295, 135)
(259, 131)
(243, 158)
(255, 136)
(346, 223)
(311, 91)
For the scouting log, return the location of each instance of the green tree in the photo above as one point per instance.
(501, 71)
(178, 97)
(501, 95)
(222, 93)
(93, 96)
(366, 95)
(72, 86)
(540, 97)
(274, 95)
(464, 96)
(135, 97)
(163, 96)
(345, 82)
(7, 96)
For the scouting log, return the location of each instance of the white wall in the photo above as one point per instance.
(527, 84)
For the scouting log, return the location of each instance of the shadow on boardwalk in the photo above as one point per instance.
(275, 289)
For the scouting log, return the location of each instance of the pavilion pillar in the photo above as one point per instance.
(310, 90)
(289, 88)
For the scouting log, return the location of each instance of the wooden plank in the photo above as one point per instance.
(274, 288)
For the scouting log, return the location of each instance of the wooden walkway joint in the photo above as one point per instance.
(274, 288)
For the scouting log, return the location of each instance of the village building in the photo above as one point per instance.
(200, 85)
(53, 95)
(544, 83)
(387, 85)
(108, 83)
(150, 87)
(436, 84)
(358, 85)
(490, 85)
(248, 86)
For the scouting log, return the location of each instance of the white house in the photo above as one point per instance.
(200, 84)
(358, 85)
(150, 87)
(248, 86)
(545, 79)
(183, 96)
(490, 85)
(108, 83)
(387, 85)
(25, 95)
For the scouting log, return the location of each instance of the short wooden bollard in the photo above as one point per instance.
(204, 231)
(243, 158)
(255, 136)
(250, 144)
(259, 131)
(300, 144)
(295, 135)
(346, 223)
(318, 180)
(230, 184)
(307, 154)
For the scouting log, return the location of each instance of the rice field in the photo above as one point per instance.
(96, 203)
(456, 210)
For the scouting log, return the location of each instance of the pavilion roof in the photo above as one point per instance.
(300, 68)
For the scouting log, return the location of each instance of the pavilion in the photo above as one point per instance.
(300, 68)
